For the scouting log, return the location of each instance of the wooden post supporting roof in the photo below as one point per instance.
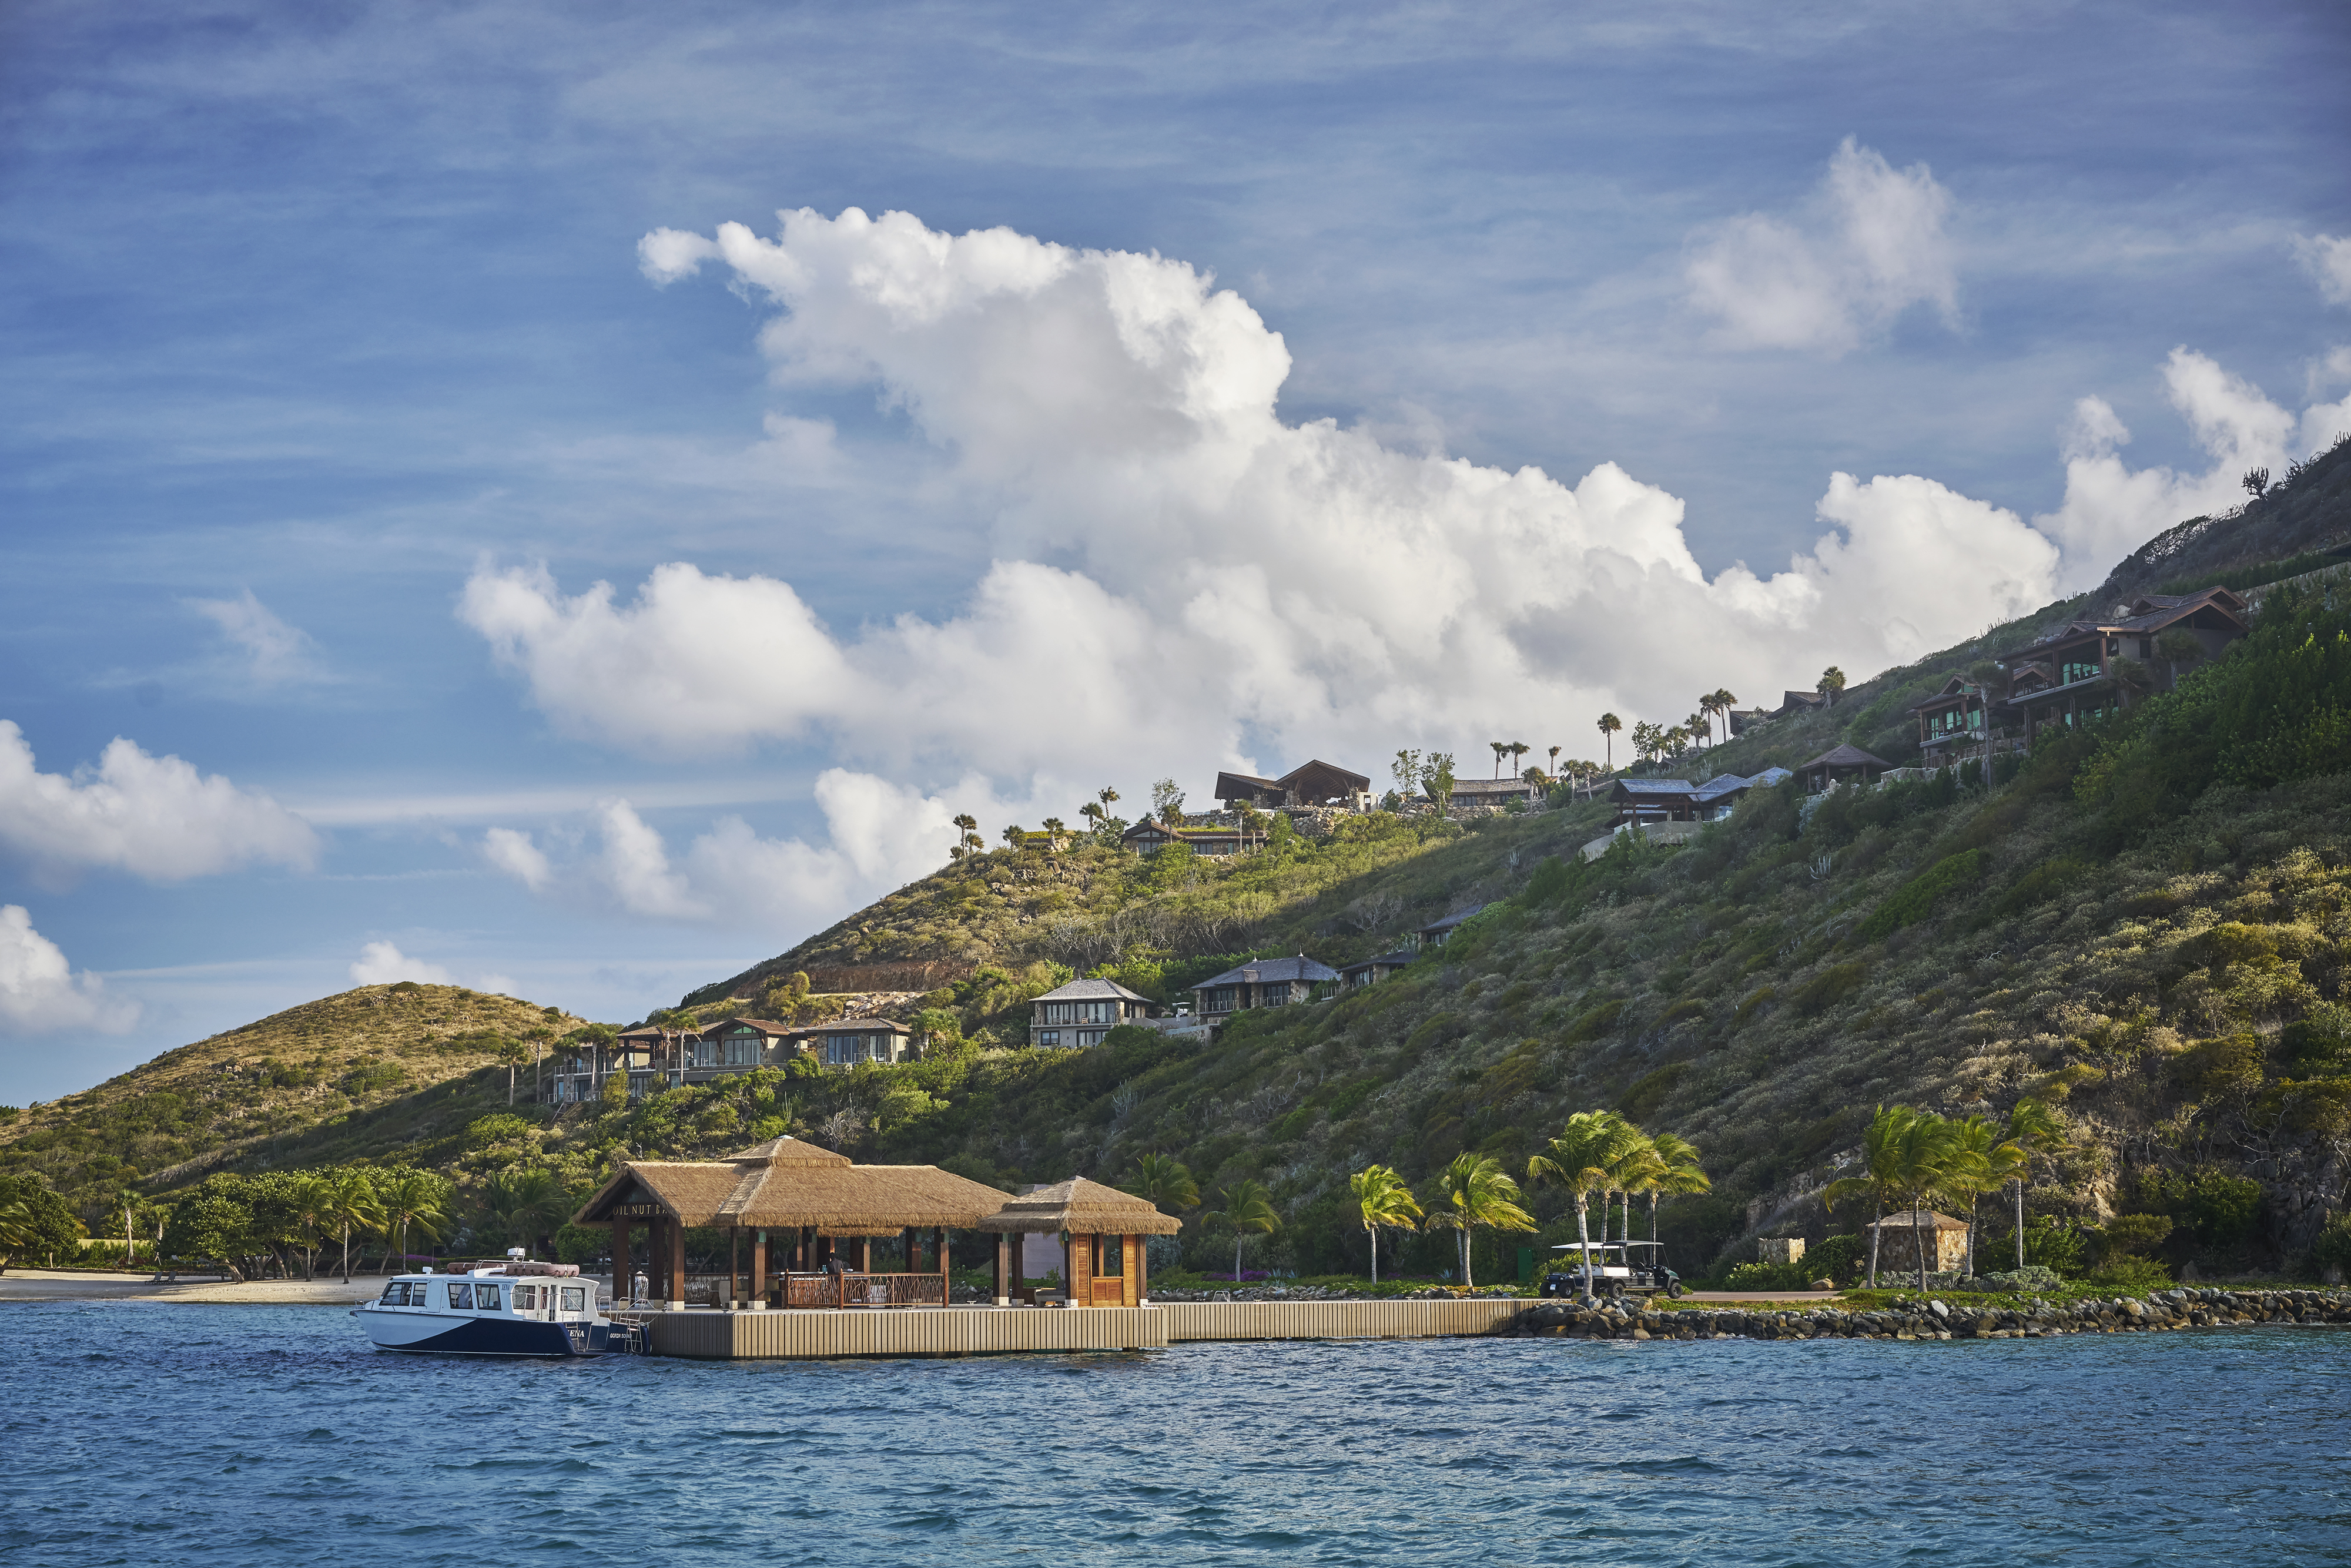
(676, 1267)
(620, 1263)
(1003, 1271)
(758, 1269)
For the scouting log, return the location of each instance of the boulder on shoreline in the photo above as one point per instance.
(1936, 1319)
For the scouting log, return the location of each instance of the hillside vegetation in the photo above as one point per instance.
(2142, 923)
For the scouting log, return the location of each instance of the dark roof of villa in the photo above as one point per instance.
(1450, 921)
(1272, 972)
(1655, 787)
(1395, 960)
(1847, 757)
(1091, 990)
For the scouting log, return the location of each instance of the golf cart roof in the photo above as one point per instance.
(1603, 1246)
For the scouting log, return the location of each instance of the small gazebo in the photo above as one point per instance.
(1838, 764)
(1101, 1230)
(1898, 1236)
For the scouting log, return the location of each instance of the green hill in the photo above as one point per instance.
(2144, 922)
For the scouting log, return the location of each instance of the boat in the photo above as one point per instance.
(517, 1307)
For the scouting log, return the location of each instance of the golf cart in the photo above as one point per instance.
(1618, 1268)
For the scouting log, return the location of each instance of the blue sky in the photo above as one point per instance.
(339, 366)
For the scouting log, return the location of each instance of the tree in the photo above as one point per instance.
(1476, 1196)
(1980, 1162)
(1926, 1147)
(1501, 749)
(1437, 780)
(1519, 748)
(1015, 835)
(1167, 803)
(524, 1207)
(2175, 646)
(1406, 769)
(2037, 1133)
(509, 1054)
(34, 1221)
(306, 1203)
(1648, 741)
(1163, 1182)
(1582, 1159)
(412, 1198)
(1555, 761)
(2256, 481)
(1699, 728)
(1248, 1206)
(1055, 831)
(1383, 1200)
(1881, 1175)
(1609, 725)
(968, 839)
(1677, 1174)
(351, 1204)
(1832, 682)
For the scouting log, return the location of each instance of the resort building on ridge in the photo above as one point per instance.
(1315, 783)
(1437, 933)
(1148, 837)
(845, 1042)
(1841, 765)
(2072, 674)
(1076, 1016)
(1260, 983)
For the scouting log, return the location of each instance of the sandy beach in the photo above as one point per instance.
(45, 1285)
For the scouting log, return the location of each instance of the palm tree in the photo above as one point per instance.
(1832, 682)
(1981, 1163)
(1163, 1182)
(412, 1198)
(1382, 1200)
(1248, 1206)
(19, 1230)
(1016, 835)
(1927, 1155)
(1478, 1196)
(523, 1206)
(350, 1201)
(509, 1054)
(1554, 762)
(309, 1201)
(1678, 1173)
(968, 839)
(1519, 748)
(1582, 1159)
(1881, 1176)
(2034, 1129)
(1054, 830)
(1609, 725)
(1501, 748)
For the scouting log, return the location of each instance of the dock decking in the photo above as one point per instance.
(829, 1334)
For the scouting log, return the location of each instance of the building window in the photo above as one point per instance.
(1048, 1037)
(2074, 670)
(1088, 1037)
(1097, 1012)
(1275, 995)
(742, 1048)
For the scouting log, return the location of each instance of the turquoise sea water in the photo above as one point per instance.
(150, 1434)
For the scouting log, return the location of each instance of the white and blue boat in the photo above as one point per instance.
(515, 1308)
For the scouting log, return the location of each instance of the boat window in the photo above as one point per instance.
(395, 1293)
(526, 1298)
(410, 1295)
(460, 1297)
(575, 1298)
(486, 1298)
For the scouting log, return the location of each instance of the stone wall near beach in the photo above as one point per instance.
(1938, 1319)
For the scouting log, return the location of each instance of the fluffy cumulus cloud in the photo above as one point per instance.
(154, 817)
(382, 963)
(514, 854)
(1868, 245)
(2328, 259)
(39, 992)
(2111, 508)
(880, 835)
(1181, 580)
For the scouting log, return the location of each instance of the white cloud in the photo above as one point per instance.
(275, 654)
(514, 854)
(1227, 588)
(2110, 510)
(1870, 245)
(2327, 259)
(154, 817)
(2324, 424)
(39, 992)
(880, 836)
(382, 963)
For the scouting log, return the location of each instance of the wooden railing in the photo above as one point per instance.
(865, 1290)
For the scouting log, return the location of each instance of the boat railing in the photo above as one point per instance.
(830, 1290)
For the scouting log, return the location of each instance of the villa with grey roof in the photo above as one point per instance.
(1075, 1015)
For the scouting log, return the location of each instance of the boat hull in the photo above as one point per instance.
(435, 1333)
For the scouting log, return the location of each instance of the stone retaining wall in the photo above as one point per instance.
(2165, 1311)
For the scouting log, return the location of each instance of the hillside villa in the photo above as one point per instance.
(1260, 983)
(1315, 783)
(1075, 1015)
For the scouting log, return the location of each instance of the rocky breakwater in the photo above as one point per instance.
(1936, 1319)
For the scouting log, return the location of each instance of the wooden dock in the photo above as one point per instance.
(829, 1334)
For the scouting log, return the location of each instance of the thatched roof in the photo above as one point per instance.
(785, 1185)
(1910, 1219)
(1083, 1206)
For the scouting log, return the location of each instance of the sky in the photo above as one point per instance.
(572, 499)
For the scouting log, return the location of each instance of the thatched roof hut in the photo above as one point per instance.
(1080, 1206)
(787, 1185)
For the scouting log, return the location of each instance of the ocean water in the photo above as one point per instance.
(153, 1433)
